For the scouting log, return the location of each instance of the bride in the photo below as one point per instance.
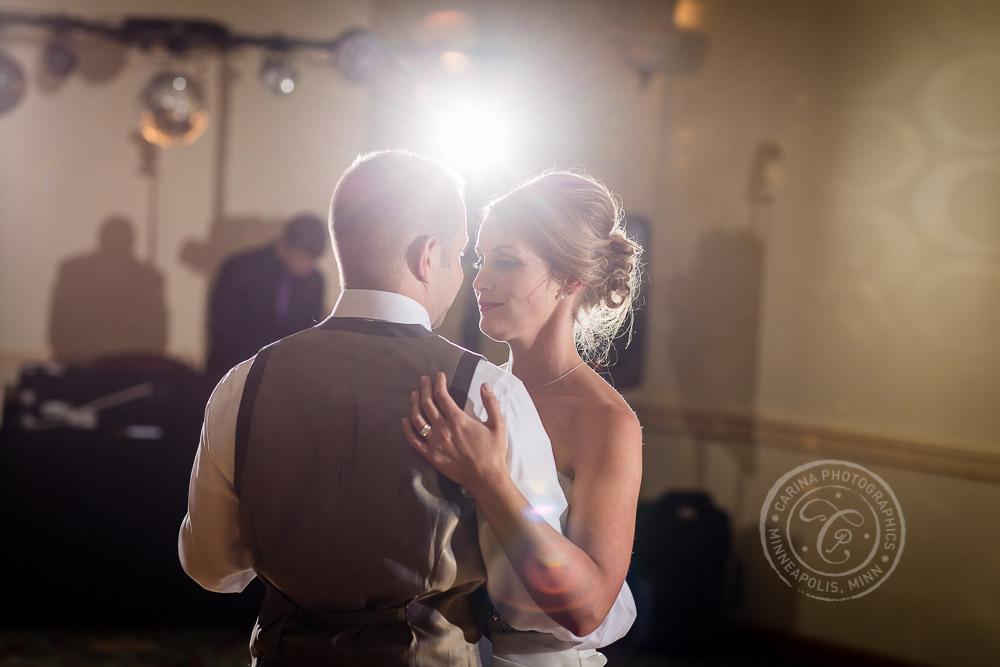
(557, 277)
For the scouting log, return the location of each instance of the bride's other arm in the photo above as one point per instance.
(574, 579)
(607, 470)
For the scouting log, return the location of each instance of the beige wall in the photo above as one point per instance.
(863, 296)
(880, 298)
(880, 302)
(68, 160)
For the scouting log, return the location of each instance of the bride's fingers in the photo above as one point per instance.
(417, 418)
(444, 401)
(427, 404)
(415, 440)
(494, 418)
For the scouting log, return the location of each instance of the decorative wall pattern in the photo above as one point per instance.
(902, 310)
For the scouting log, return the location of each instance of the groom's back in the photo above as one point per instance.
(374, 553)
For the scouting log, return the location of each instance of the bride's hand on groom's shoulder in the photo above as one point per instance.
(470, 452)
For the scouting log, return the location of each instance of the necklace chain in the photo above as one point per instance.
(532, 391)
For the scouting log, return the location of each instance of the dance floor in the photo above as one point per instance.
(164, 646)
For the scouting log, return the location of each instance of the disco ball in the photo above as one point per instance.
(173, 110)
(360, 56)
(11, 83)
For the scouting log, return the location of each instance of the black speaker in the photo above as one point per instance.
(683, 571)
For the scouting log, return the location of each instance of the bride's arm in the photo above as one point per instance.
(574, 579)
(607, 443)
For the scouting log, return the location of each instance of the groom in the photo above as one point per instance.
(304, 479)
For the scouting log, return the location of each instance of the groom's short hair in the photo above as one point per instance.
(382, 203)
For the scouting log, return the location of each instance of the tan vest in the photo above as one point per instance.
(370, 556)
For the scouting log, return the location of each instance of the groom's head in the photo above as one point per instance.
(398, 224)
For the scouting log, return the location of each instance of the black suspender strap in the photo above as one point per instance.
(461, 382)
(246, 412)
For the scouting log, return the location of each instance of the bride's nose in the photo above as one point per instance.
(479, 283)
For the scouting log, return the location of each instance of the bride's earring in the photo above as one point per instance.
(562, 296)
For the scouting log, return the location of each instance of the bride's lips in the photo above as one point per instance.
(487, 306)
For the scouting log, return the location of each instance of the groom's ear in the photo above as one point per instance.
(423, 257)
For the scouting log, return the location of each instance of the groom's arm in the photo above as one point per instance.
(209, 541)
(533, 470)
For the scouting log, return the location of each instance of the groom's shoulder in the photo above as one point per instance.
(504, 384)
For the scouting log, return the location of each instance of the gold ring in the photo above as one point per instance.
(425, 430)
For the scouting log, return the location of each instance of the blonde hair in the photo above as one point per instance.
(384, 201)
(576, 225)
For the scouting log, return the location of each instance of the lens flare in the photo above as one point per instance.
(546, 573)
(472, 133)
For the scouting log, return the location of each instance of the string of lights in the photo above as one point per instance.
(173, 109)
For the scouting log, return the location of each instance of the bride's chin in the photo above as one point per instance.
(489, 331)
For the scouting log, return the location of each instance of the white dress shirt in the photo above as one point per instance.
(209, 542)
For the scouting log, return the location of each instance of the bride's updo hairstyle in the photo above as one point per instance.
(575, 224)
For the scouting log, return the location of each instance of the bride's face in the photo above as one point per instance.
(516, 293)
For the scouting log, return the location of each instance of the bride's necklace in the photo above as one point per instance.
(532, 391)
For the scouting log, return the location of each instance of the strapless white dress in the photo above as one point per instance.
(541, 649)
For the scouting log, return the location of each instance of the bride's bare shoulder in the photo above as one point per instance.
(608, 398)
(607, 416)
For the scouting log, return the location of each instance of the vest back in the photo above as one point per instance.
(369, 554)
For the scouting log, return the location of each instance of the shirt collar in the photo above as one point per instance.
(378, 305)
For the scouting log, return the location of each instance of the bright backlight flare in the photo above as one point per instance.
(471, 133)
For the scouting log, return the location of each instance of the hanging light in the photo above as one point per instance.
(173, 110)
(360, 56)
(11, 83)
(277, 76)
(59, 58)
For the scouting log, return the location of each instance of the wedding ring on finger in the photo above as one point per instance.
(425, 430)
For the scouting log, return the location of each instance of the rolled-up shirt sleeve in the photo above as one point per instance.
(209, 541)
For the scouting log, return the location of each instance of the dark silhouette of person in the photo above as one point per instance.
(266, 293)
(107, 301)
